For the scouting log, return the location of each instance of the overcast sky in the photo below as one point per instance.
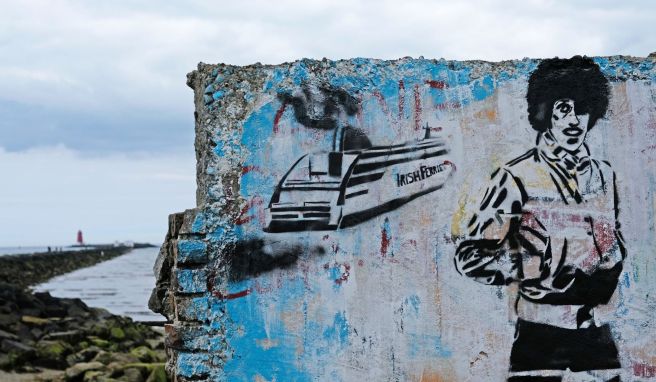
(96, 122)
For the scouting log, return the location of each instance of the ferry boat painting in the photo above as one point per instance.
(338, 189)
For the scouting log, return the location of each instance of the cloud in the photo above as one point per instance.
(89, 67)
(50, 193)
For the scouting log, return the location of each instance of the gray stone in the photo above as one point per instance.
(11, 346)
(69, 336)
(8, 336)
(132, 375)
(77, 371)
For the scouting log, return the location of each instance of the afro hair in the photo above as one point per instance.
(577, 78)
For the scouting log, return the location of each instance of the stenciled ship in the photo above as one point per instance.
(337, 189)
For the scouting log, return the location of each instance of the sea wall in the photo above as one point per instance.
(31, 269)
(417, 220)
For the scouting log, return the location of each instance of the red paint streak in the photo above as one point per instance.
(381, 101)
(231, 296)
(345, 275)
(305, 269)
(529, 220)
(401, 99)
(604, 235)
(437, 84)
(211, 278)
(246, 169)
(644, 370)
(450, 164)
(417, 108)
(384, 242)
(243, 214)
(410, 243)
(276, 119)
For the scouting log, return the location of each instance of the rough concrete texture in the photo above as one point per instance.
(334, 198)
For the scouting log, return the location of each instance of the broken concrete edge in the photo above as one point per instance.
(257, 65)
(182, 296)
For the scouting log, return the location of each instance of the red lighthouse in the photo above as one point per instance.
(80, 240)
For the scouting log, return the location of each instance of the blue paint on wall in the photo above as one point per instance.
(192, 251)
(483, 88)
(338, 332)
(427, 346)
(218, 94)
(413, 301)
(260, 344)
(198, 225)
(193, 365)
(191, 280)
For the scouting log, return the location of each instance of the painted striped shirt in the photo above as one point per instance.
(548, 220)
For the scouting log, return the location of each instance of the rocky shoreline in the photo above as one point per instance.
(32, 269)
(45, 338)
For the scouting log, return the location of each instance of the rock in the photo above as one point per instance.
(77, 309)
(98, 376)
(16, 354)
(6, 362)
(53, 306)
(117, 333)
(117, 358)
(96, 341)
(24, 333)
(31, 320)
(9, 319)
(100, 313)
(103, 356)
(70, 336)
(7, 336)
(93, 376)
(52, 354)
(8, 346)
(158, 374)
(132, 375)
(36, 333)
(76, 372)
(84, 355)
(75, 338)
(28, 304)
(145, 354)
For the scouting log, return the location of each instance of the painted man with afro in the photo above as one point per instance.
(548, 221)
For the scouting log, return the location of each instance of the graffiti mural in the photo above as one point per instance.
(345, 207)
(566, 266)
(356, 180)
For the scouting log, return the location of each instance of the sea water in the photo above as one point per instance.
(121, 285)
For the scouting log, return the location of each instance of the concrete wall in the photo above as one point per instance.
(342, 223)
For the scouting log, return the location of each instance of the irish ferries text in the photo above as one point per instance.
(418, 175)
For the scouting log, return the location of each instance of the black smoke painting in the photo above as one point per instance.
(356, 180)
